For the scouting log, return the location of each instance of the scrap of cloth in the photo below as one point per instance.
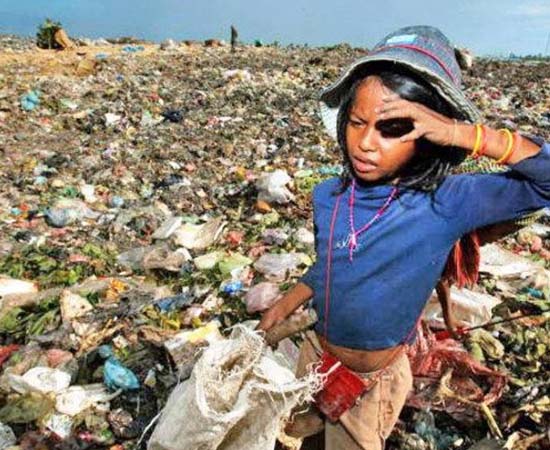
(376, 299)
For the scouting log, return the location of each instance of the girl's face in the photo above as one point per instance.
(373, 145)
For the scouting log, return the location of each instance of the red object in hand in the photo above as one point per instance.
(341, 390)
(446, 334)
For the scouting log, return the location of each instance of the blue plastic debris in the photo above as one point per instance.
(133, 48)
(115, 375)
(232, 287)
(174, 303)
(101, 56)
(30, 100)
(537, 293)
(116, 201)
(40, 180)
(58, 218)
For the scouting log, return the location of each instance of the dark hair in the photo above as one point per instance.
(431, 163)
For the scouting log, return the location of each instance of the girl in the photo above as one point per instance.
(385, 228)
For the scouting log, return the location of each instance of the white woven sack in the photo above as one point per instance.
(237, 397)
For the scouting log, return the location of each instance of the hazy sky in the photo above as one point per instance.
(495, 27)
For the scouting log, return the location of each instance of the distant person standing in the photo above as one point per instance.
(234, 38)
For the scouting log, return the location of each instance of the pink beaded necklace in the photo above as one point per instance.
(354, 234)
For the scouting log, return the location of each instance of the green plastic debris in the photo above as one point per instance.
(27, 408)
(232, 262)
(208, 261)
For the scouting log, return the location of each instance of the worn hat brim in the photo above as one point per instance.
(424, 66)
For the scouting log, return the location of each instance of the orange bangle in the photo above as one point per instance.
(509, 148)
(477, 144)
(517, 139)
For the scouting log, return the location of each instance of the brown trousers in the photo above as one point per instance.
(367, 425)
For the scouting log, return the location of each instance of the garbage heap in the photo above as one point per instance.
(154, 196)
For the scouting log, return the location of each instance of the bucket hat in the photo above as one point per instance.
(425, 51)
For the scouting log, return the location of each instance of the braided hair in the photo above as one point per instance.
(431, 162)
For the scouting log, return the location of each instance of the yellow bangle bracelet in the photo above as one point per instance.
(477, 145)
(509, 147)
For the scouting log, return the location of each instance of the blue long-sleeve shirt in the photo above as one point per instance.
(376, 299)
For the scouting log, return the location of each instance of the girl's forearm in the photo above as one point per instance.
(292, 299)
(496, 143)
(295, 297)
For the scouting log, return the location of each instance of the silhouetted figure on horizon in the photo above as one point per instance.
(234, 38)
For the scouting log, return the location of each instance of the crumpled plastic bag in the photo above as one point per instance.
(10, 286)
(40, 379)
(502, 263)
(209, 260)
(261, 297)
(75, 399)
(165, 259)
(199, 237)
(30, 100)
(470, 308)
(276, 265)
(68, 211)
(7, 437)
(482, 343)
(233, 262)
(115, 374)
(271, 187)
(73, 306)
(431, 360)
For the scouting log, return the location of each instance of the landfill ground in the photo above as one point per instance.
(145, 191)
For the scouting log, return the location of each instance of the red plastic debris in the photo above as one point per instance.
(6, 352)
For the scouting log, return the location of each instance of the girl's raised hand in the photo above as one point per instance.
(427, 123)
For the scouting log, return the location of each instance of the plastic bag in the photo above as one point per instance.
(261, 297)
(40, 379)
(75, 399)
(7, 436)
(67, 212)
(271, 187)
(431, 361)
(469, 308)
(275, 266)
(199, 237)
(115, 374)
(9, 286)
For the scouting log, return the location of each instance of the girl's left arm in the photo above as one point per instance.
(496, 143)
(443, 130)
(478, 200)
